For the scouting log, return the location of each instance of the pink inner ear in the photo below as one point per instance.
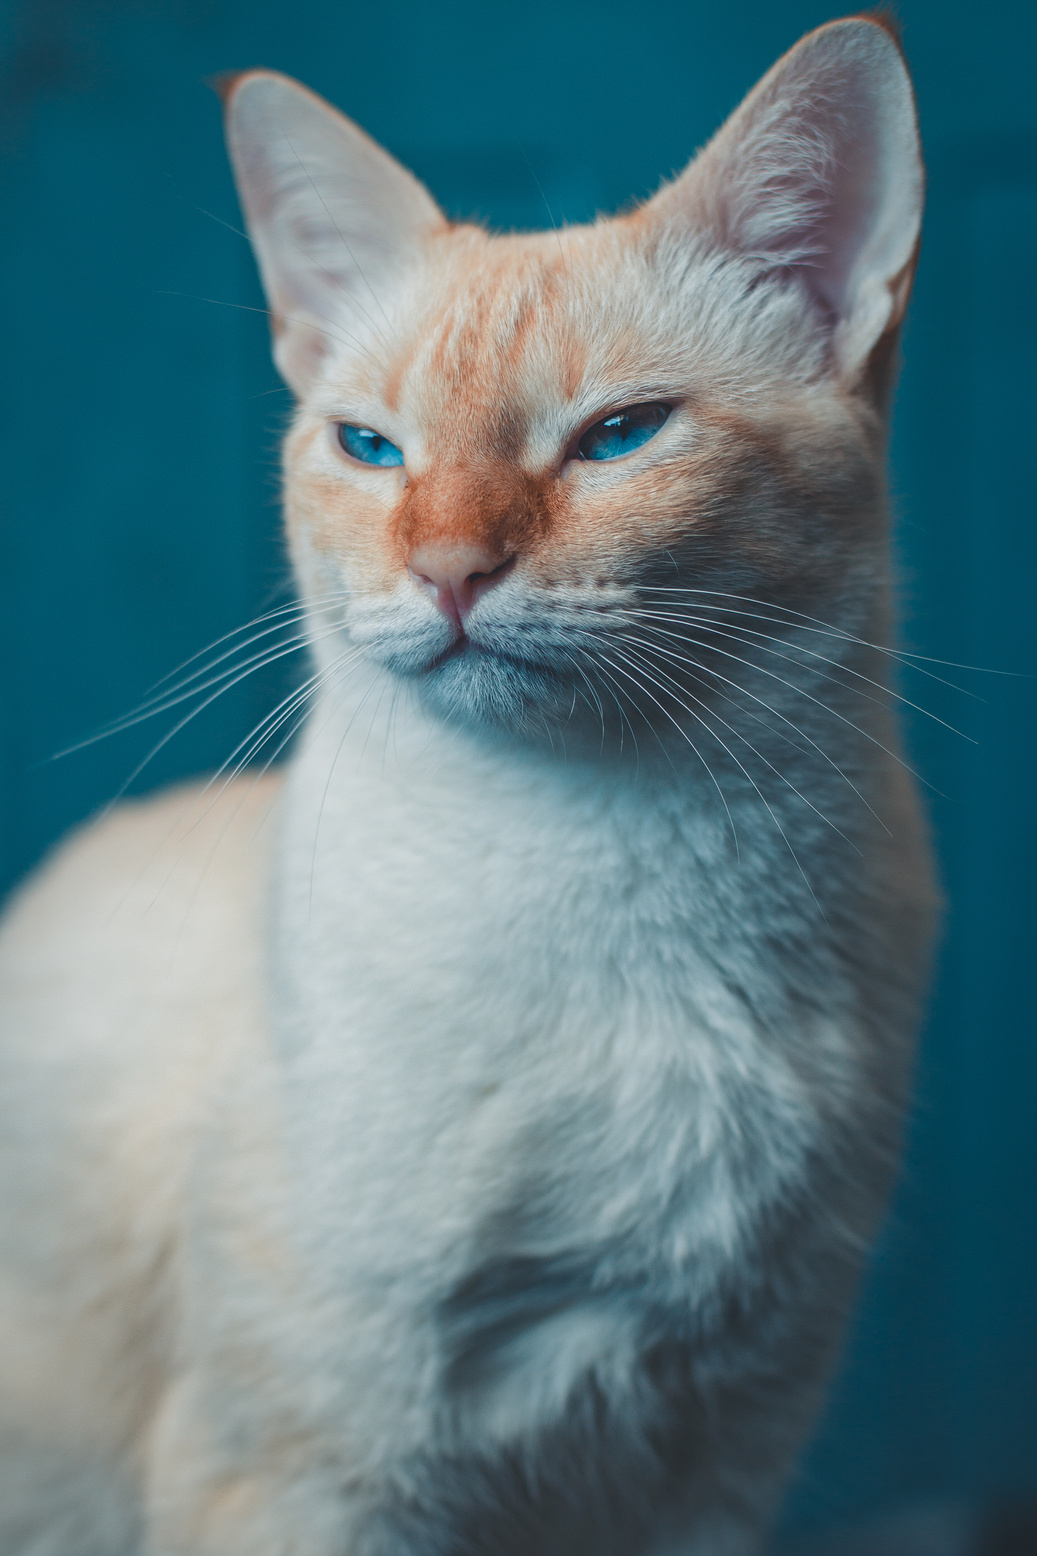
(845, 207)
(329, 212)
(802, 180)
(818, 172)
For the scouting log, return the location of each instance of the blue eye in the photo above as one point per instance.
(368, 446)
(622, 431)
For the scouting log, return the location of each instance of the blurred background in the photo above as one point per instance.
(139, 523)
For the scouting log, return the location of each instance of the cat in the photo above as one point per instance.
(479, 1158)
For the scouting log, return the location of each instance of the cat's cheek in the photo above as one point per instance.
(344, 526)
(614, 528)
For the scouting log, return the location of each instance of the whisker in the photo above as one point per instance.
(902, 655)
(566, 267)
(370, 727)
(298, 248)
(801, 691)
(624, 722)
(327, 785)
(229, 677)
(200, 797)
(648, 723)
(272, 721)
(182, 723)
(647, 667)
(194, 206)
(390, 725)
(161, 702)
(307, 324)
(685, 736)
(712, 626)
(255, 662)
(763, 800)
(239, 768)
(590, 685)
(708, 670)
(268, 726)
(296, 607)
(695, 666)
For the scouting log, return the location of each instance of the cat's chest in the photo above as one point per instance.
(489, 902)
(506, 991)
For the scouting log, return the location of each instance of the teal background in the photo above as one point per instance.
(139, 518)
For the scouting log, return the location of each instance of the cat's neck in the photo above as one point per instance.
(373, 735)
(375, 766)
(377, 736)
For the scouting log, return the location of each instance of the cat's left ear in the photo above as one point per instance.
(333, 218)
(819, 175)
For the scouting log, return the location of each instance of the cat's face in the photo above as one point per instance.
(526, 470)
(498, 564)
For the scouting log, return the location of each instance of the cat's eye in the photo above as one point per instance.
(623, 431)
(370, 447)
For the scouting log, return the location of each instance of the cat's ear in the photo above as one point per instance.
(333, 218)
(819, 174)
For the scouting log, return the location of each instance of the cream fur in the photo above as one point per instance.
(471, 1144)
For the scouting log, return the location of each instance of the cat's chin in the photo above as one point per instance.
(467, 685)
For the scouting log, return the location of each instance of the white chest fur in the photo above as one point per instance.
(499, 1007)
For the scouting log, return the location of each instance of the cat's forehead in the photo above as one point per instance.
(500, 313)
(505, 329)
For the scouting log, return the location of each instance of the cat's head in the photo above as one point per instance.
(529, 471)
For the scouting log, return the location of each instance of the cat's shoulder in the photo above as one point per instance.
(155, 894)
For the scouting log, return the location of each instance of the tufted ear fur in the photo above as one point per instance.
(332, 216)
(818, 175)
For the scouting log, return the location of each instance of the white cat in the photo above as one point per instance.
(487, 1171)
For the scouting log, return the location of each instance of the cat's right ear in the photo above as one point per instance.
(333, 218)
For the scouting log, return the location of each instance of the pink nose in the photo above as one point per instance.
(456, 575)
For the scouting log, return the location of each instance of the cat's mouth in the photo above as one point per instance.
(510, 667)
(474, 648)
(461, 645)
(470, 649)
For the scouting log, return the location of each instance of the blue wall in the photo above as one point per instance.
(139, 516)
